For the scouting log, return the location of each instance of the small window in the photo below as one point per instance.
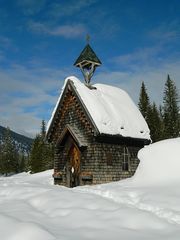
(126, 159)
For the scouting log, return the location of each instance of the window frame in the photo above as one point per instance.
(126, 160)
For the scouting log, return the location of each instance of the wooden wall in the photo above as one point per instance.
(100, 162)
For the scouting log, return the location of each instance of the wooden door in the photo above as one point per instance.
(73, 167)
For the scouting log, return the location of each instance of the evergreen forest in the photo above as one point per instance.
(163, 120)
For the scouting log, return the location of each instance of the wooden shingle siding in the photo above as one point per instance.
(100, 162)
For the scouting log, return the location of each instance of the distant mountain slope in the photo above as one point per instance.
(22, 142)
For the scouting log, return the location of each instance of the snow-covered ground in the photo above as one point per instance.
(145, 207)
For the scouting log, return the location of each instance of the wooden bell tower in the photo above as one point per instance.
(87, 62)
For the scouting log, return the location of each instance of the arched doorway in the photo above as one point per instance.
(73, 167)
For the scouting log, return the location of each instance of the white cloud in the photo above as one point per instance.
(151, 65)
(146, 55)
(25, 124)
(67, 31)
(166, 32)
(69, 8)
(27, 96)
(2, 57)
(31, 7)
(153, 76)
(6, 42)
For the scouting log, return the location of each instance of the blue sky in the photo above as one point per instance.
(136, 40)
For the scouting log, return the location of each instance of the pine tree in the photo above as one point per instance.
(144, 103)
(171, 110)
(47, 149)
(49, 156)
(22, 162)
(9, 155)
(146, 109)
(43, 129)
(155, 123)
(41, 156)
(36, 159)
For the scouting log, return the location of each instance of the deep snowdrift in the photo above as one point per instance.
(160, 163)
(32, 208)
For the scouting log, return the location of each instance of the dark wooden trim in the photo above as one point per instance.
(68, 130)
(48, 134)
(119, 139)
(70, 86)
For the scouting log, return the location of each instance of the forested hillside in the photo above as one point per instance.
(22, 143)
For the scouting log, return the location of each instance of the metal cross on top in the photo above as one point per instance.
(88, 38)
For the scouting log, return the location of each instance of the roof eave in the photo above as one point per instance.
(119, 139)
(81, 144)
(55, 115)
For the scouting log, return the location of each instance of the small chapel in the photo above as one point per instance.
(97, 129)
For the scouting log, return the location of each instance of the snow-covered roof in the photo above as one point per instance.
(111, 109)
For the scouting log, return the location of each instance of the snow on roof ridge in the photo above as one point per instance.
(111, 108)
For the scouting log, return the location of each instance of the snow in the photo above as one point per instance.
(143, 207)
(160, 163)
(111, 109)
